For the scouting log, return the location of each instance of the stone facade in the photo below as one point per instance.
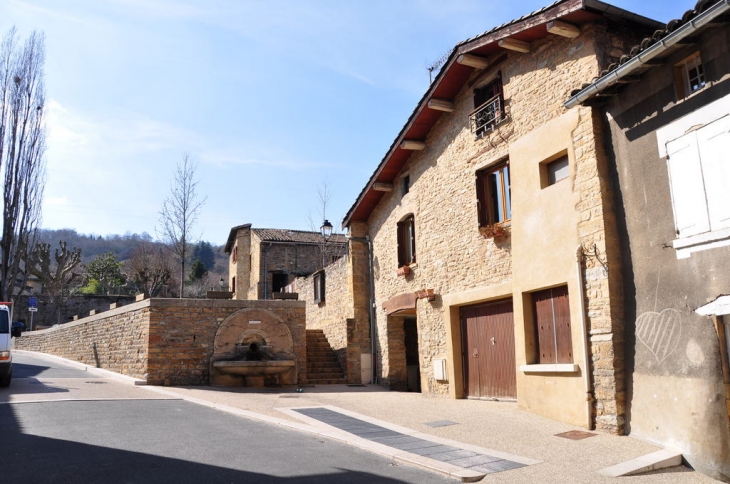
(161, 341)
(562, 235)
(264, 261)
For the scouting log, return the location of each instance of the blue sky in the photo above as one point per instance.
(272, 98)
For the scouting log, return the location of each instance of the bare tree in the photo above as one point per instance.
(328, 249)
(22, 144)
(150, 268)
(180, 212)
(58, 279)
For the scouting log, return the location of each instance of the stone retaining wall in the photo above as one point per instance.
(161, 341)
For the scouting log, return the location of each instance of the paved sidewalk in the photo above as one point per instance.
(466, 439)
(499, 428)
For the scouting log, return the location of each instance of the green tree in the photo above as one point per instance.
(203, 251)
(107, 271)
(197, 270)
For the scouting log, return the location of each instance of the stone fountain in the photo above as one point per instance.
(253, 348)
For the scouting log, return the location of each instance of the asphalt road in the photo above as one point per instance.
(62, 425)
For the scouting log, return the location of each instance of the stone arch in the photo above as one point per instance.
(254, 324)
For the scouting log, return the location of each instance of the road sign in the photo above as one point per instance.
(32, 302)
(33, 310)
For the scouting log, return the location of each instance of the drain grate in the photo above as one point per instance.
(96, 382)
(576, 435)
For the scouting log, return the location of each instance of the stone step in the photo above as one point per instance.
(325, 376)
(324, 367)
(332, 381)
(323, 359)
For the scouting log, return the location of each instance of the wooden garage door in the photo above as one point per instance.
(488, 345)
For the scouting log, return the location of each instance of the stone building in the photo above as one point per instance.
(265, 261)
(490, 231)
(667, 106)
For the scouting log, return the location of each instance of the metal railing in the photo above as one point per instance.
(487, 116)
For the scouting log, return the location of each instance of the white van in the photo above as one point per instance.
(6, 334)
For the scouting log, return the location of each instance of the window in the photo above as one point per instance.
(699, 174)
(234, 255)
(406, 242)
(488, 107)
(557, 170)
(405, 184)
(493, 195)
(552, 325)
(318, 279)
(233, 284)
(689, 76)
(279, 280)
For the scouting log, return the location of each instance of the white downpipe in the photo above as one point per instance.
(586, 339)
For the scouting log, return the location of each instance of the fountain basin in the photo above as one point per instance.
(254, 368)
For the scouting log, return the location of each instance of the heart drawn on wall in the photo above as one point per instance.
(660, 332)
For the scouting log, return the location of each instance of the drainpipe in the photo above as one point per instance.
(367, 240)
(586, 340)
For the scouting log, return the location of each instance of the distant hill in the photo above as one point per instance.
(122, 246)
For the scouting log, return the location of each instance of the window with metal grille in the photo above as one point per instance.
(488, 107)
(552, 325)
(406, 241)
(493, 195)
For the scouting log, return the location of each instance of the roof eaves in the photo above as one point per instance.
(640, 59)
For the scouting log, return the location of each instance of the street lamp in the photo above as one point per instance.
(326, 229)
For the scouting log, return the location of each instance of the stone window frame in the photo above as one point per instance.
(487, 213)
(318, 279)
(406, 241)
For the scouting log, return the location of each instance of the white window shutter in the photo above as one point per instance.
(688, 191)
(714, 145)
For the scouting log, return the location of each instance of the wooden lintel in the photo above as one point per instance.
(412, 144)
(441, 105)
(628, 79)
(472, 61)
(563, 29)
(383, 187)
(514, 44)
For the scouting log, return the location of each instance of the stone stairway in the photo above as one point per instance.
(323, 367)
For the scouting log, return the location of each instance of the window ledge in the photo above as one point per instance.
(550, 368)
(708, 240)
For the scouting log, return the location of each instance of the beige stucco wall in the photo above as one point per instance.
(548, 225)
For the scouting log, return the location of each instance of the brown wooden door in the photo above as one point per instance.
(488, 345)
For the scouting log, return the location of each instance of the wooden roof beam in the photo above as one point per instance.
(383, 187)
(472, 61)
(514, 44)
(412, 144)
(563, 29)
(441, 105)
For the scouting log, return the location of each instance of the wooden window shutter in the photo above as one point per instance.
(687, 186)
(482, 199)
(561, 318)
(714, 147)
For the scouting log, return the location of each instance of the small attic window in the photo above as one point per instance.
(689, 76)
(405, 184)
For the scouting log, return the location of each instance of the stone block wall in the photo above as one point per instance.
(116, 340)
(332, 314)
(162, 341)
